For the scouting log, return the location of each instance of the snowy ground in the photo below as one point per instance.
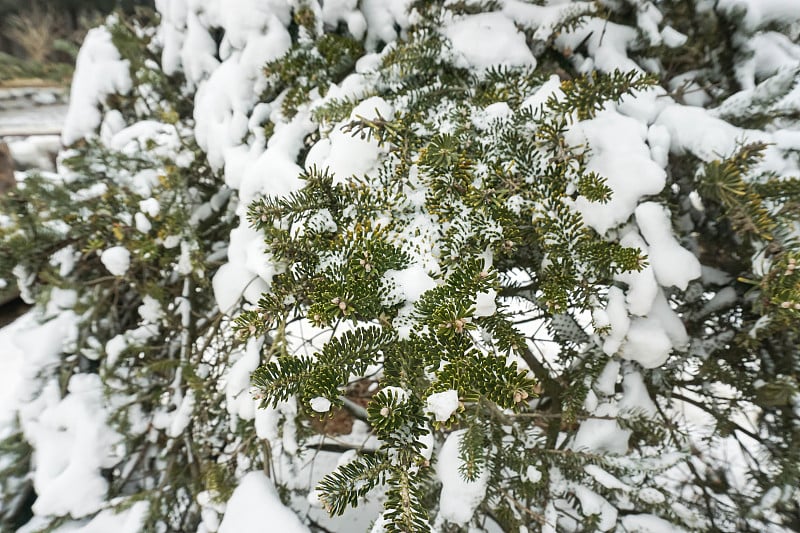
(32, 120)
(31, 111)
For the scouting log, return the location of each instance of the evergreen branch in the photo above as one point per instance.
(351, 482)
(586, 95)
(405, 512)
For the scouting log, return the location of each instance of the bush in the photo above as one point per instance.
(466, 266)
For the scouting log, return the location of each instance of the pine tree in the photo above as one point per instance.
(542, 285)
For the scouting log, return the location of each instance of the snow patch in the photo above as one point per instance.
(99, 72)
(255, 507)
(672, 264)
(486, 40)
(72, 444)
(442, 404)
(320, 404)
(459, 497)
(620, 154)
(117, 260)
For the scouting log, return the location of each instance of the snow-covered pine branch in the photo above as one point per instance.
(422, 266)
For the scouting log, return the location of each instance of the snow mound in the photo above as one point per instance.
(255, 507)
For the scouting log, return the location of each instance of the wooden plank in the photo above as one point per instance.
(31, 83)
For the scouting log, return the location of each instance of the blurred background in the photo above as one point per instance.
(39, 43)
(39, 39)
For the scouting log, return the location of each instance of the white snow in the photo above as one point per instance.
(693, 130)
(628, 143)
(99, 72)
(635, 397)
(659, 141)
(382, 17)
(116, 259)
(182, 416)
(345, 11)
(232, 282)
(550, 88)
(36, 152)
(117, 344)
(223, 101)
(533, 474)
(128, 520)
(150, 310)
(65, 259)
(408, 284)
(277, 425)
(604, 478)
(648, 523)
(320, 404)
(772, 52)
(255, 507)
(651, 495)
(143, 225)
(442, 404)
(647, 343)
(616, 317)
(602, 434)
(594, 504)
(484, 118)
(73, 444)
(399, 393)
(607, 380)
(238, 399)
(672, 37)
(485, 304)
(345, 154)
(271, 174)
(620, 154)
(150, 207)
(607, 42)
(672, 264)
(761, 12)
(642, 285)
(28, 348)
(459, 498)
(544, 18)
(486, 40)
(669, 321)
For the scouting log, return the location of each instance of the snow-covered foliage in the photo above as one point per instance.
(469, 266)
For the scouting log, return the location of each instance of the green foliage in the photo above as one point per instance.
(314, 62)
(750, 344)
(499, 193)
(136, 47)
(472, 449)
(586, 96)
(351, 482)
(16, 68)
(724, 182)
(341, 357)
(54, 231)
(12, 479)
(457, 264)
(500, 190)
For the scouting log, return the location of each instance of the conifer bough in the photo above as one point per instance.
(464, 266)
